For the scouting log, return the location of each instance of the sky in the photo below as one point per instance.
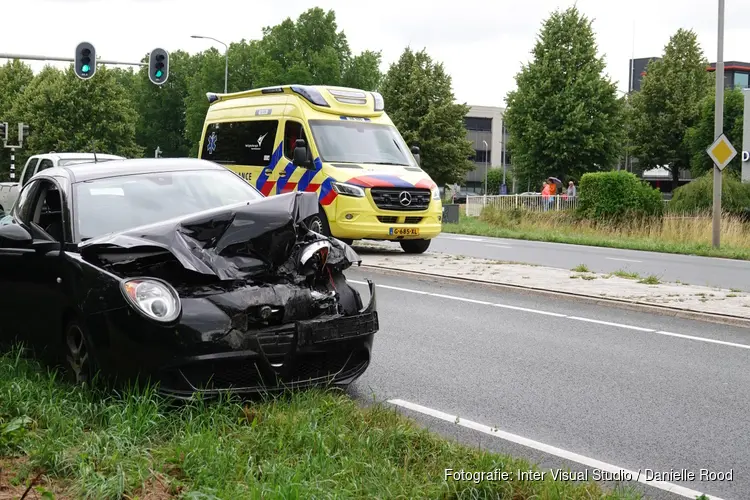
(482, 43)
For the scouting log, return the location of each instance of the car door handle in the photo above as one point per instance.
(282, 174)
(16, 251)
(269, 171)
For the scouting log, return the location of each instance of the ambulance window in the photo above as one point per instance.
(292, 132)
(240, 143)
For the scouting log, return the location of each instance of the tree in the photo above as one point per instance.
(564, 119)
(309, 51)
(701, 135)
(419, 99)
(67, 114)
(15, 76)
(669, 104)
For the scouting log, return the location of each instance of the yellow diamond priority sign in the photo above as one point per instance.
(722, 152)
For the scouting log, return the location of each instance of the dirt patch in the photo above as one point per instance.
(17, 479)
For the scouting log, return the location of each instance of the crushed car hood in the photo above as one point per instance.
(232, 242)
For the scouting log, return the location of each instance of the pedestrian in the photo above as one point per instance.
(545, 196)
(571, 189)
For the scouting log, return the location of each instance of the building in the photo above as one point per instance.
(736, 73)
(486, 130)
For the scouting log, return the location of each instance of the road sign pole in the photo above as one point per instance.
(718, 125)
(746, 138)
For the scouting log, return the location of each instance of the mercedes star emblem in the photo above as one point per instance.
(404, 198)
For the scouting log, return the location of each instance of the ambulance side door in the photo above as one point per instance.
(293, 177)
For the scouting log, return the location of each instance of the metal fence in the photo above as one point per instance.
(529, 202)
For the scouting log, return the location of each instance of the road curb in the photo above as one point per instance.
(627, 304)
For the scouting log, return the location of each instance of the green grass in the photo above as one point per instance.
(581, 268)
(650, 280)
(687, 236)
(621, 273)
(84, 443)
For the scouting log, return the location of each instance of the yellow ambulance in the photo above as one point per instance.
(337, 142)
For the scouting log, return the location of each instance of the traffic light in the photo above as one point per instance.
(158, 66)
(85, 61)
(23, 132)
(3, 132)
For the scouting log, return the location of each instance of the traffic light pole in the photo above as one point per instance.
(27, 57)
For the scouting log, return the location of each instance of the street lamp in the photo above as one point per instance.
(485, 168)
(226, 57)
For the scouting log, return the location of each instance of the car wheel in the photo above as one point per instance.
(319, 223)
(415, 246)
(79, 361)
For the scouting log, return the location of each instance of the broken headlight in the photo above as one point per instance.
(153, 298)
(313, 257)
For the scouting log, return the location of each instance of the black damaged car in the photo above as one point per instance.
(179, 272)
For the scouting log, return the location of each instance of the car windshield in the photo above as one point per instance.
(117, 203)
(348, 141)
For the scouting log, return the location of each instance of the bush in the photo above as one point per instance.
(699, 195)
(495, 180)
(616, 195)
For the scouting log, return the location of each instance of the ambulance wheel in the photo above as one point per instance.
(415, 246)
(319, 223)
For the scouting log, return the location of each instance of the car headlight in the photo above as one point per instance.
(435, 193)
(153, 298)
(348, 189)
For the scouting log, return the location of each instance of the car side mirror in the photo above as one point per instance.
(301, 156)
(416, 153)
(15, 236)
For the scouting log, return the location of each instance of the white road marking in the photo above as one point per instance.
(497, 246)
(464, 238)
(623, 260)
(558, 315)
(550, 450)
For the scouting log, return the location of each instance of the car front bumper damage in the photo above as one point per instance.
(333, 350)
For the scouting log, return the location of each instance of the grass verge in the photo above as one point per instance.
(672, 234)
(69, 442)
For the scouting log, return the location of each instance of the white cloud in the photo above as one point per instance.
(481, 42)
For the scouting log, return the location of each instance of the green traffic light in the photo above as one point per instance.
(159, 73)
(85, 68)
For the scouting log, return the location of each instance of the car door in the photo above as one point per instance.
(292, 177)
(34, 276)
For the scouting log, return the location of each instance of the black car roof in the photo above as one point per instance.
(114, 168)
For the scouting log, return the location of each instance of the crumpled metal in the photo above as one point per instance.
(232, 242)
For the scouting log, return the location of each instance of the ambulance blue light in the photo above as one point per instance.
(379, 103)
(212, 97)
(311, 94)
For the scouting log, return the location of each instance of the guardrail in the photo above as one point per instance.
(530, 202)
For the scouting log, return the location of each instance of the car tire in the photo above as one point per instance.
(415, 246)
(319, 223)
(80, 365)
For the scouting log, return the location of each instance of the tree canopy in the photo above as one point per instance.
(669, 104)
(701, 135)
(564, 118)
(419, 99)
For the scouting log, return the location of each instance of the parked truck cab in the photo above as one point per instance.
(337, 142)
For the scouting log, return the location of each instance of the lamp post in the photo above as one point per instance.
(226, 57)
(485, 170)
(718, 126)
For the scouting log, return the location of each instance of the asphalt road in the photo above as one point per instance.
(625, 388)
(708, 271)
